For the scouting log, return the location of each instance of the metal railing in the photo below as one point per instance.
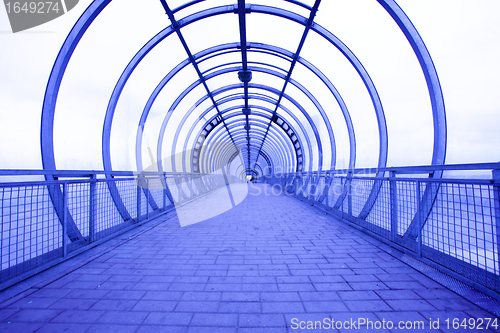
(452, 223)
(45, 221)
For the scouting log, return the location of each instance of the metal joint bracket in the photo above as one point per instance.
(247, 111)
(245, 75)
(248, 8)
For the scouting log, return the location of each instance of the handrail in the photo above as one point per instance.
(420, 169)
(85, 173)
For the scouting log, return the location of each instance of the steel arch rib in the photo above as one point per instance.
(251, 85)
(280, 141)
(97, 6)
(438, 108)
(227, 70)
(49, 107)
(228, 116)
(283, 140)
(202, 115)
(275, 142)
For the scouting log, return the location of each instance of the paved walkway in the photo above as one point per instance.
(269, 265)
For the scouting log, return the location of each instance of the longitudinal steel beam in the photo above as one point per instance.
(175, 26)
(244, 64)
(308, 25)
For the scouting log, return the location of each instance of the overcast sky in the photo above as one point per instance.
(463, 37)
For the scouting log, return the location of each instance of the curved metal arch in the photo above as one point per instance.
(282, 140)
(250, 85)
(259, 97)
(208, 53)
(383, 137)
(204, 132)
(255, 121)
(97, 6)
(305, 91)
(269, 163)
(288, 55)
(276, 141)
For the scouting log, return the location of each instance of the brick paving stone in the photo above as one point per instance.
(110, 328)
(397, 294)
(240, 307)
(123, 318)
(358, 295)
(214, 319)
(33, 315)
(322, 306)
(162, 306)
(78, 317)
(261, 320)
(211, 329)
(19, 327)
(33, 303)
(55, 328)
(168, 318)
(367, 305)
(410, 305)
(197, 306)
(114, 305)
(282, 307)
(71, 304)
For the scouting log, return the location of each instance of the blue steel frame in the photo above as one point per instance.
(405, 25)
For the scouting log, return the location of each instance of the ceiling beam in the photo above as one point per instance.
(175, 25)
(309, 23)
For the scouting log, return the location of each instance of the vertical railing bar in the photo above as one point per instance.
(496, 204)
(147, 198)
(165, 192)
(393, 206)
(349, 194)
(92, 206)
(419, 212)
(138, 192)
(65, 215)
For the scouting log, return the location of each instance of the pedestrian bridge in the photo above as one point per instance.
(254, 213)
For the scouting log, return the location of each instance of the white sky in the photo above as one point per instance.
(463, 37)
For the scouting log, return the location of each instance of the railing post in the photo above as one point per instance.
(349, 193)
(165, 192)
(420, 221)
(147, 198)
(394, 206)
(342, 184)
(139, 181)
(496, 198)
(65, 216)
(92, 207)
